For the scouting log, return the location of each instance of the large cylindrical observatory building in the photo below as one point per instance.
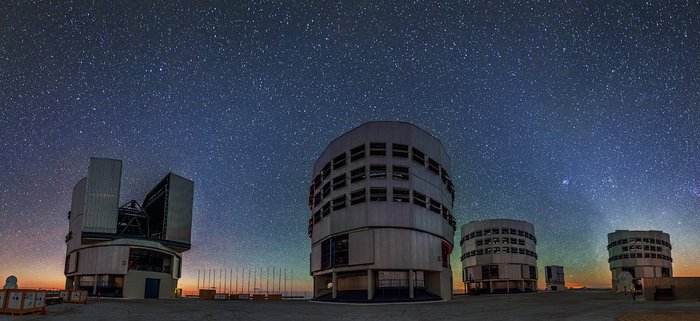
(499, 256)
(381, 223)
(641, 253)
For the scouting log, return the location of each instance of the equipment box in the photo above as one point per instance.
(20, 301)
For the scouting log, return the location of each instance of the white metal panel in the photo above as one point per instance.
(361, 249)
(180, 199)
(102, 199)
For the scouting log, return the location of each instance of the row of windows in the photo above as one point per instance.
(640, 248)
(640, 255)
(358, 174)
(334, 252)
(494, 231)
(490, 272)
(498, 250)
(379, 194)
(380, 149)
(499, 240)
(634, 240)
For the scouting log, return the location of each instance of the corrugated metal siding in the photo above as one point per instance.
(76, 216)
(179, 220)
(102, 198)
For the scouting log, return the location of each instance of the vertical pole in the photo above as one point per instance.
(291, 281)
(198, 280)
(225, 279)
(335, 286)
(255, 274)
(411, 281)
(370, 285)
(285, 280)
(236, 280)
(218, 289)
(273, 278)
(279, 282)
(267, 278)
(248, 281)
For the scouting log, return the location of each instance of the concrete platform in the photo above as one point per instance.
(529, 306)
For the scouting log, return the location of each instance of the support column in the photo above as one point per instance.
(522, 286)
(335, 285)
(490, 286)
(411, 294)
(94, 286)
(508, 286)
(370, 284)
(315, 288)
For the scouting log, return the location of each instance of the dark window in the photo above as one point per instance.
(340, 250)
(377, 171)
(339, 202)
(513, 231)
(377, 149)
(505, 240)
(533, 272)
(521, 233)
(487, 232)
(521, 242)
(504, 231)
(479, 233)
(488, 249)
(629, 269)
(339, 182)
(326, 209)
(357, 196)
(357, 153)
(339, 161)
(496, 240)
(326, 189)
(435, 206)
(487, 241)
(326, 254)
(317, 216)
(665, 273)
(326, 171)
(148, 260)
(522, 251)
(479, 242)
(400, 172)
(496, 250)
(377, 194)
(420, 199)
(624, 249)
(357, 174)
(434, 166)
(479, 252)
(496, 231)
(489, 272)
(514, 250)
(399, 150)
(418, 156)
(506, 250)
(401, 195)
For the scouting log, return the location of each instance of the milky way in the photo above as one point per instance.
(581, 118)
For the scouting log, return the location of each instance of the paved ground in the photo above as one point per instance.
(531, 306)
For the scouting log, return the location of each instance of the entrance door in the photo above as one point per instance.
(152, 289)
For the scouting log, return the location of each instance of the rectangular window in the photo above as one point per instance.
(377, 194)
(434, 166)
(400, 172)
(339, 203)
(326, 209)
(479, 252)
(479, 242)
(645, 240)
(521, 242)
(487, 241)
(489, 272)
(505, 240)
(506, 250)
(514, 250)
(435, 206)
(377, 171)
(377, 149)
(420, 200)
(418, 156)
(479, 233)
(521, 251)
(317, 216)
(339, 182)
(513, 231)
(401, 195)
(504, 231)
(357, 153)
(487, 250)
(513, 240)
(487, 232)
(496, 240)
(340, 250)
(357, 196)
(326, 254)
(496, 250)
(339, 161)
(326, 189)
(521, 233)
(399, 150)
(326, 171)
(357, 174)
(646, 255)
(624, 249)
(665, 272)
(533, 272)
(496, 231)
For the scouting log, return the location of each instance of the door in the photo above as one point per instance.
(152, 290)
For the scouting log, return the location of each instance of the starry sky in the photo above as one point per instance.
(581, 117)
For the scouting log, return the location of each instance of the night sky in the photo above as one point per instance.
(580, 117)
